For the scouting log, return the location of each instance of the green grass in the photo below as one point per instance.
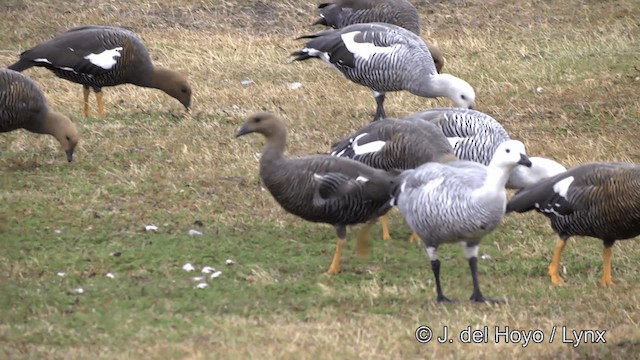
(150, 163)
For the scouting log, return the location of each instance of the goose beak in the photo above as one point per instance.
(69, 155)
(243, 131)
(524, 160)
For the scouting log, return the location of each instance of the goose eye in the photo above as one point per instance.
(463, 97)
(184, 90)
(508, 151)
(68, 138)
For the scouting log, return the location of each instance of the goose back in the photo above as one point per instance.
(395, 144)
(22, 104)
(92, 55)
(347, 12)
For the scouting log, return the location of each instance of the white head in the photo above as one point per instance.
(459, 91)
(541, 168)
(509, 154)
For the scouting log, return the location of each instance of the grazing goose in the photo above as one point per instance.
(397, 12)
(23, 106)
(385, 57)
(475, 136)
(395, 144)
(98, 56)
(458, 201)
(321, 188)
(600, 200)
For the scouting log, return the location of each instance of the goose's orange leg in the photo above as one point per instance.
(606, 266)
(100, 103)
(384, 221)
(554, 267)
(335, 264)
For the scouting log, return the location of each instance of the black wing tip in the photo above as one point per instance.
(300, 55)
(321, 21)
(324, 5)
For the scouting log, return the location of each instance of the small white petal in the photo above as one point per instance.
(188, 267)
(216, 274)
(539, 90)
(247, 82)
(485, 257)
(57, 231)
(207, 270)
(197, 278)
(61, 273)
(194, 232)
(294, 85)
(79, 290)
(202, 285)
(230, 262)
(110, 275)
(151, 228)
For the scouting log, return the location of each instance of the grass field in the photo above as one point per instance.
(149, 162)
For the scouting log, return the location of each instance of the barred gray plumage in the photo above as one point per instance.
(475, 136)
(397, 12)
(600, 200)
(385, 57)
(321, 188)
(458, 201)
(23, 106)
(97, 56)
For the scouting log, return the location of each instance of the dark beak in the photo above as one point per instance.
(243, 131)
(69, 155)
(470, 107)
(187, 104)
(524, 160)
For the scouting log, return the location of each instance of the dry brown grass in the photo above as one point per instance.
(148, 157)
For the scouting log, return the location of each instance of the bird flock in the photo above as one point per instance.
(445, 169)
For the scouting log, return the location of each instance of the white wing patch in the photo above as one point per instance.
(432, 185)
(364, 50)
(366, 148)
(324, 56)
(105, 59)
(362, 179)
(562, 186)
(43, 60)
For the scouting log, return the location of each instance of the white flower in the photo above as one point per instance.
(216, 274)
(188, 267)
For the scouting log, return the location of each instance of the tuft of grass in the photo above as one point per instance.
(148, 162)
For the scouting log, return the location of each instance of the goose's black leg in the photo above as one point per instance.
(380, 114)
(432, 252)
(471, 253)
(435, 266)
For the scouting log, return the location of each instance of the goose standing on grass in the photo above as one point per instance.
(459, 201)
(397, 12)
(23, 106)
(321, 188)
(385, 58)
(395, 144)
(98, 56)
(600, 200)
(475, 136)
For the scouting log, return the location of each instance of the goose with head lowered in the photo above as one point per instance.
(475, 136)
(460, 201)
(385, 57)
(321, 188)
(600, 200)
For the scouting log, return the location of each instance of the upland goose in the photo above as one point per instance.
(385, 57)
(397, 12)
(98, 56)
(321, 188)
(475, 136)
(458, 201)
(600, 200)
(23, 106)
(395, 144)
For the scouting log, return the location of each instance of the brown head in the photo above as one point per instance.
(173, 83)
(265, 123)
(63, 130)
(437, 56)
